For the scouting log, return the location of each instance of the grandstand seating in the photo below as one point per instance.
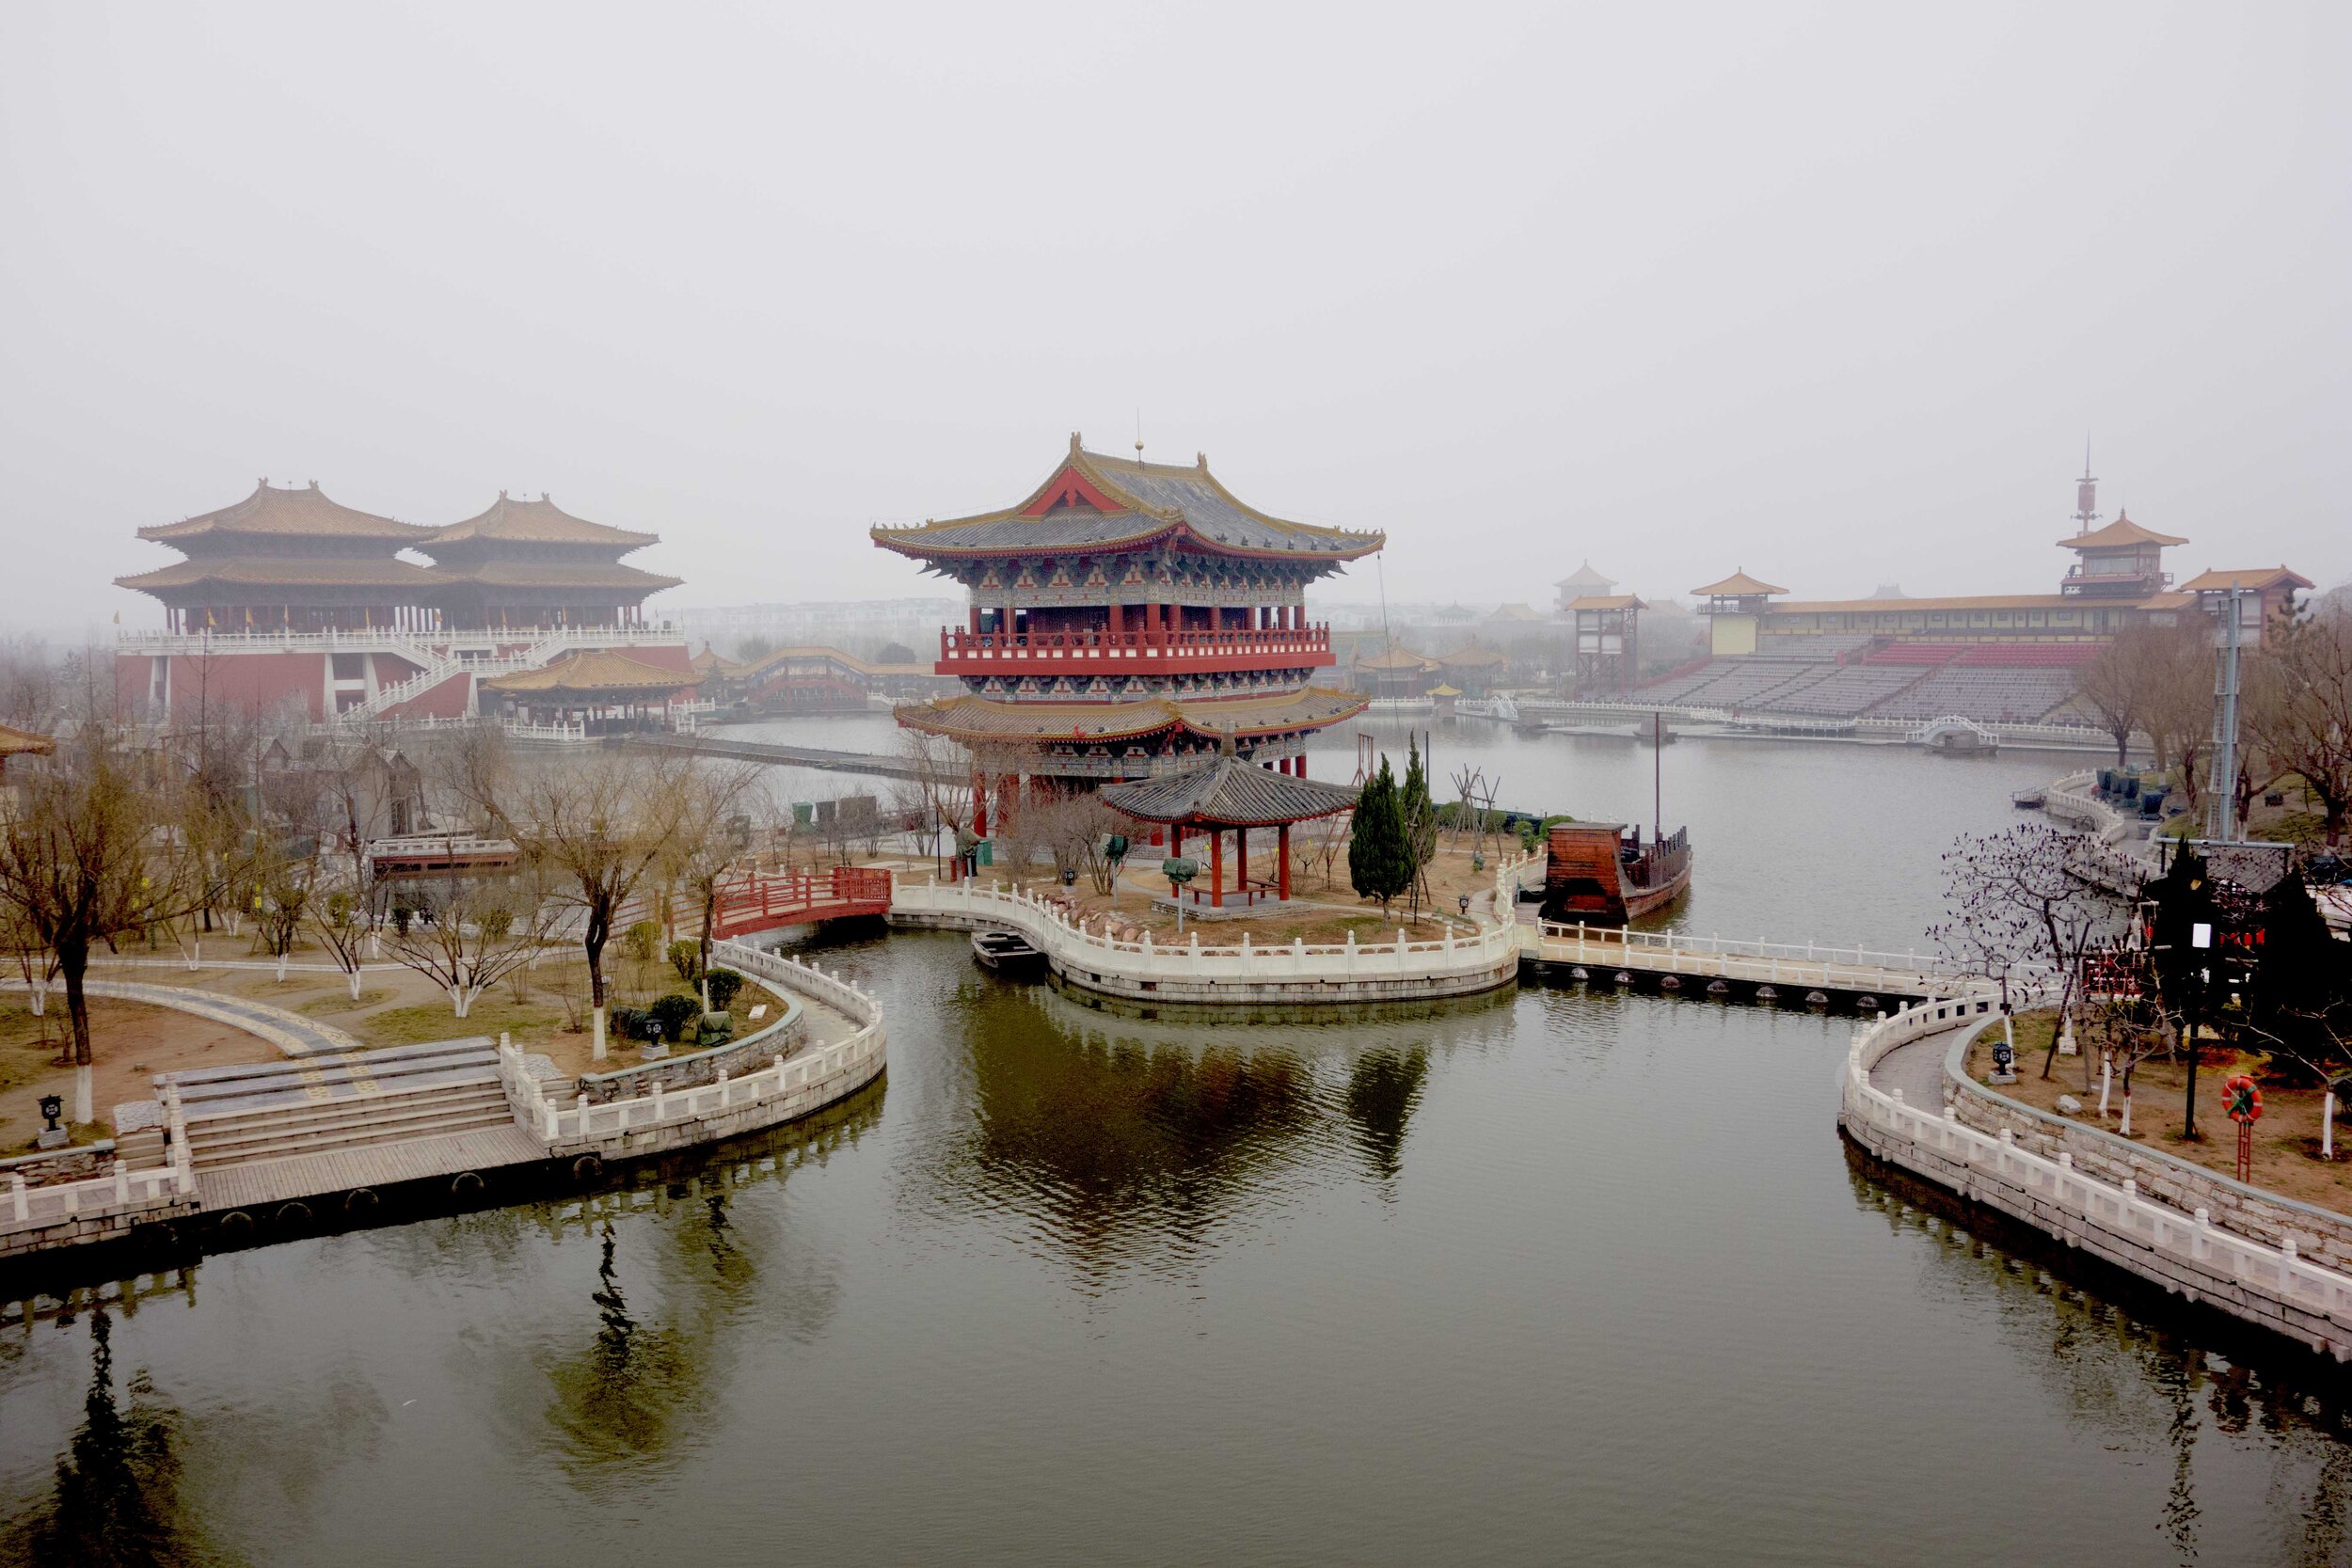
(1991, 693)
(2031, 656)
(1916, 654)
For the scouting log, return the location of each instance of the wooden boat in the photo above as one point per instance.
(1604, 873)
(1008, 953)
(2029, 800)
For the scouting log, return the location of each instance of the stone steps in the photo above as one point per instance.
(359, 1119)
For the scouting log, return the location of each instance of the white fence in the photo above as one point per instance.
(2278, 1285)
(1071, 945)
(119, 1195)
(853, 1061)
(1857, 968)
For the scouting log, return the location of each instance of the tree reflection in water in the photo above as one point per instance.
(622, 1398)
(116, 1500)
(1382, 1090)
(1127, 1140)
(2141, 1386)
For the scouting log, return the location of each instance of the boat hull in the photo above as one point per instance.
(1602, 874)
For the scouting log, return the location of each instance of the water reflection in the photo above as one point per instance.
(1119, 1141)
(2139, 1385)
(1382, 1091)
(116, 1500)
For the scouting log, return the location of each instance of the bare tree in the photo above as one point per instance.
(596, 826)
(2016, 908)
(2302, 709)
(471, 931)
(2115, 686)
(93, 850)
(344, 922)
(713, 831)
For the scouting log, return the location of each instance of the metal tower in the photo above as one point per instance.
(2222, 799)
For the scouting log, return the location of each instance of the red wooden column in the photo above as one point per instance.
(1217, 869)
(1241, 860)
(1282, 855)
(979, 806)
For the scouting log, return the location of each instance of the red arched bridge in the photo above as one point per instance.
(764, 901)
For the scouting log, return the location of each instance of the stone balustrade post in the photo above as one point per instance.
(723, 1088)
(18, 1202)
(122, 1183)
(660, 1100)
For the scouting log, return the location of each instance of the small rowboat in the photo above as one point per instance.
(1007, 953)
(2028, 800)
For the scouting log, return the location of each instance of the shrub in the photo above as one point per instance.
(674, 1014)
(640, 941)
(725, 986)
(685, 958)
(626, 1023)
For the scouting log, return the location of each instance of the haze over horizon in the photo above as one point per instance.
(1829, 293)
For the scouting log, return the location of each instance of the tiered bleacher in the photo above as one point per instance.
(1856, 678)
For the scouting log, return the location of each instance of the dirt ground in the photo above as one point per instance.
(2286, 1140)
(130, 1043)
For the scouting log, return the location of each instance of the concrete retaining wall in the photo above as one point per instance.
(2186, 1253)
(2318, 1235)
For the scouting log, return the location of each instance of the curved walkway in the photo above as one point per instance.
(291, 1033)
(1916, 1068)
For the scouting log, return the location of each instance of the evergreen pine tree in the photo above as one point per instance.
(1419, 814)
(1379, 862)
(2303, 977)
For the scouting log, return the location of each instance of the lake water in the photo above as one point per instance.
(1546, 1276)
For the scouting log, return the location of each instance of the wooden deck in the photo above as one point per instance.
(326, 1177)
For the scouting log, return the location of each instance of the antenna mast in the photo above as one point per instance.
(2086, 495)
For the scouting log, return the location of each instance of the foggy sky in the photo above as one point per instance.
(1829, 293)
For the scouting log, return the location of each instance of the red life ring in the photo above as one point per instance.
(2245, 1100)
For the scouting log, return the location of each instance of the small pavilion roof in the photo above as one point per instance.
(591, 671)
(2118, 534)
(1738, 585)
(1395, 657)
(1228, 793)
(539, 522)
(1473, 655)
(2252, 579)
(1095, 502)
(1585, 576)
(1514, 611)
(1444, 692)
(16, 743)
(1607, 601)
(294, 512)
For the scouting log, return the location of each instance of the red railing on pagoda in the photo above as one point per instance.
(967, 653)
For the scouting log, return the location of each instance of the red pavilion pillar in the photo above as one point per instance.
(1216, 868)
(979, 806)
(1241, 861)
(1282, 856)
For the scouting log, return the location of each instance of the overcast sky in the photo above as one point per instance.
(1830, 293)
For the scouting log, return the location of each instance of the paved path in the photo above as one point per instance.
(291, 1033)
(1918, 1070)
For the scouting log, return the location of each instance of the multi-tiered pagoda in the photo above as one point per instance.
(1128, 617)
(291, 560)
(531, 564)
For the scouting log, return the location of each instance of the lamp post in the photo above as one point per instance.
(1179, 869)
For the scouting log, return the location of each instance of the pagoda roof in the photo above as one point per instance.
(289, 572)
(592, 670)
(1394, 658)
(975, 719)
(1473, 655)
(2120, 534)
(1738, 585)
(291, 512)
(1095, 502)
(1610, 601)
(2250, 579)
(1228, 793)
(1585, 576)
(1514, 611)
(559, 574)
(2167, 601)
(16, 743)
(1444, 692)
(541, 522)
